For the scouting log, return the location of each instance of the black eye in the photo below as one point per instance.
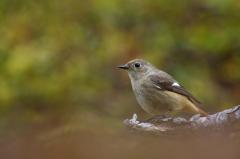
(137, 65)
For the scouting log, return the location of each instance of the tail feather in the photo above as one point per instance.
(193, 109)
(202, 112)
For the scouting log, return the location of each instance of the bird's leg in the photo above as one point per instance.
(166, 113)
(157, 117)
(147, 120)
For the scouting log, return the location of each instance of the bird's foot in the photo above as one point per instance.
(154, 119)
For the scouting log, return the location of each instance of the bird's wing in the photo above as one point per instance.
(169, 85)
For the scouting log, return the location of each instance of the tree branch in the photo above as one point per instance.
(225, 122)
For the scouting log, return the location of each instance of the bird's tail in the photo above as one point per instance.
(202, 112)
(193, 109)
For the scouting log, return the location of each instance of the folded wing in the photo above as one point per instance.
(173, 86)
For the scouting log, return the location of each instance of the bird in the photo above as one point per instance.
(157, 92)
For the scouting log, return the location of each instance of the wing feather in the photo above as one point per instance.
(167, 84)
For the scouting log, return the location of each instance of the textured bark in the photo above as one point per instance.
(226, 122)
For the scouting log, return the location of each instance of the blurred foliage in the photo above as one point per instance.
(58, 59)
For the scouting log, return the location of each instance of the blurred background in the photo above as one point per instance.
(59, 81)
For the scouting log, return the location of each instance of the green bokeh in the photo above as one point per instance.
(58, 59)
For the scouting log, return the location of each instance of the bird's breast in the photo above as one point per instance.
(150, 99)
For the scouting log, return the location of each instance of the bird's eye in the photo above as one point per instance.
(137, 65)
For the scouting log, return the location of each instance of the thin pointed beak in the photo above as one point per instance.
(123, 67)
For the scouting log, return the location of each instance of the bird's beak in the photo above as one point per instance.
(123, 67)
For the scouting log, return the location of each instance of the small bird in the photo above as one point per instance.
(157, 92)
